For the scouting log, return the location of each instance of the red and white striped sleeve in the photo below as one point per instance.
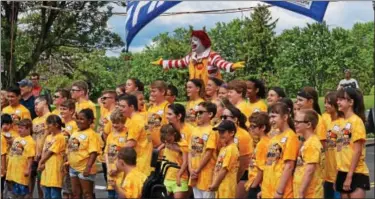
(177, 63)
(218, 61)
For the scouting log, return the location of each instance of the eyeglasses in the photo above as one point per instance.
(200, 112)
(74, 90)
(299, 122)
(253, 126)
(34, 78)
(224, 117)
(56, 96)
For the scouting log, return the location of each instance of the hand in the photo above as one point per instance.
(334, 186)
(112, 183)
(238, 65)
(37, 158)
(113, 173)
(347, 183)
(3, 171)
(277, 195)
(213, 187)
(160, 147)
(158, 62)
(178, 181)
(259, 195)
(41, 167)
(86, 172)
(26, 173)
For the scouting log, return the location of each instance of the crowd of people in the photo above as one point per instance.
(233, 139)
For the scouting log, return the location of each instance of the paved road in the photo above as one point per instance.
(100, 184)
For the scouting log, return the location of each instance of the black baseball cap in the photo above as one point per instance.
(225, 125)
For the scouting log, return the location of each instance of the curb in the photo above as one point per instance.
(370, 142)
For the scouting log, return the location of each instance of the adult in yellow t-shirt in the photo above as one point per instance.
(226, 168)
(83, 148)
(115, 140)
(176, 116)
(176, 151)
(157, 112)
(256, 93)
(259, 127)
(202, 152)
(137, 136)
(352, 181)
(281, 156)
(308, 177)
(131, 185)
(79, 93)
(52, 158)
(195, 93)
(15, 109)
(21, 156)
(237, 94)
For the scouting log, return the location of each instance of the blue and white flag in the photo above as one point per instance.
(312, 9)
(140, 13)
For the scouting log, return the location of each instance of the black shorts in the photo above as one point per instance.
(359, 180)
(245, 176)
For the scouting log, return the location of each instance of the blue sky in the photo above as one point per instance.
(339, 14)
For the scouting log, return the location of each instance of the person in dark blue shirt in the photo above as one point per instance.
(26, 87)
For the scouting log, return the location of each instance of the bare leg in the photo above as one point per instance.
(87, 188)
(76, 187)
(241, 192)
(358, 193)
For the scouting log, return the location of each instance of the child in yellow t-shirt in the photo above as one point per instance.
(226, 168)
(202, 151)
(176, 151)
(115, 140)
(52, 158)
(352, 182)
(21, 157)
(131, 185)
(83, 148)
(7, 129)
(4, 148)
(308, 176)
(259, 127)
(281, 156)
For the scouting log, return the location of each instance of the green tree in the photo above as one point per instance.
(31, 32)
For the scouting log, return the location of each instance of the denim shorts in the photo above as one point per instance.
(19, 189)
(75, 173)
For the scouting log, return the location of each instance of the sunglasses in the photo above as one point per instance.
(253, 126)
(104, 98)
(56, 96)
(200, 112)
(299, 122)
(224, 117)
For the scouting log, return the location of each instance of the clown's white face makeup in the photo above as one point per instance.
(196, 45)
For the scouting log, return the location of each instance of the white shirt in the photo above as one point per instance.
(351, 83)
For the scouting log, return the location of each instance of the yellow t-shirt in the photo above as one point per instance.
(81, 144)
(22, 149)
(18, 113)
(330, 167)
(326, 117)
(132, 185)
(352, 130)
(115, 141)
(274, 131)
(191, 109)
(104, 127)
(137, 132)
(321, 129)
(40, 132)
(257, 161)
(155, 119)
(57, 112)
(186, 132)
(176, 157)
(4, 148)
(52, 175)
(244, 142)
(70, 127)
(282, 147)
(259, 106)
(203, 138)
(9, 137)
(245, 108)
(85, 104)
(311, 152)
(227, 159)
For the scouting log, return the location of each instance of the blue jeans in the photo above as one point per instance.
(112, 194)
(52, 193)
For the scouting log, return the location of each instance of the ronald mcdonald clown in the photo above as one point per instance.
(202, 61)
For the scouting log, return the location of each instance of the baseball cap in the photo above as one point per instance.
(25, 82)
(225, 125)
